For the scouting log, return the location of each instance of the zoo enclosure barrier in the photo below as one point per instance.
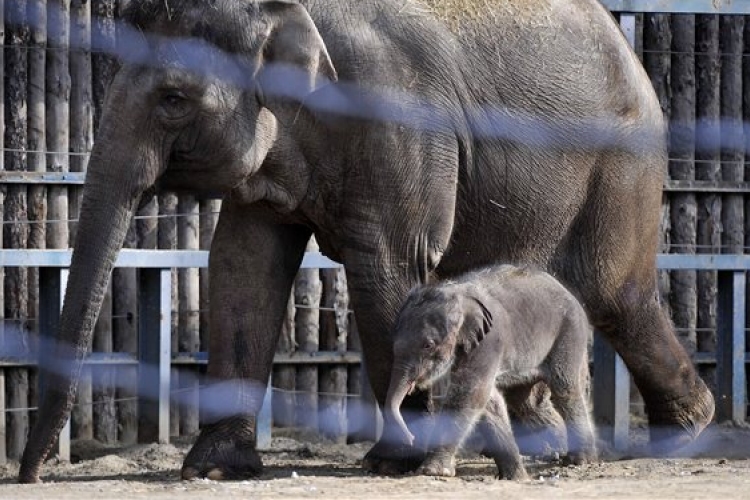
(611, 379)
(678, 187)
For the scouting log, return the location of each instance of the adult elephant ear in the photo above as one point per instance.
(293, 60)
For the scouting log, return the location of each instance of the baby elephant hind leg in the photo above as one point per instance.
(499, 442)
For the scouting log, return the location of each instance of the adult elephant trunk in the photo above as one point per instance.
(401, 384)
(112, 191)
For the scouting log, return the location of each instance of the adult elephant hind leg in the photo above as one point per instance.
(678, 403)
(252, 265)
(538, 426)
(611, 266)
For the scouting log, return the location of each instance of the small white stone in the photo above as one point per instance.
(295, 475)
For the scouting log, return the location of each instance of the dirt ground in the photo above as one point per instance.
(300, 465)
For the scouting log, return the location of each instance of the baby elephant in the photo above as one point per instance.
(498, 328)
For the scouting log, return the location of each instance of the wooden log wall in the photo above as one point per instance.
(53, 90)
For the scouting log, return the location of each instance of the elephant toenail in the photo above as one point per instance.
(215, 474)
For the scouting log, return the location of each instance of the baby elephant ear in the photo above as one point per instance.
(477, 324)
(294, 56)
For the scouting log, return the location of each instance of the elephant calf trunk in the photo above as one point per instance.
(399, 388)
(394, 414)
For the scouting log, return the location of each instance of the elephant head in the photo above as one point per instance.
(436, 323)
(191, 108)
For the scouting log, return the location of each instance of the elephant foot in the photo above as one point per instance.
(392, 460)
(511, 471)
(224, 450)
(544, 444)
(579, 458)
(676, 423)
(29, 476)
(438, 464)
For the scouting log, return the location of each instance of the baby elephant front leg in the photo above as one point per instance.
(463, 406)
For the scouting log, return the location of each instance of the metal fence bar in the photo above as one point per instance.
(611, 393)
(264, 421)
(730, 348)
(154, 353)
(144, 259)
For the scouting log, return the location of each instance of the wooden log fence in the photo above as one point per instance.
(156, 357)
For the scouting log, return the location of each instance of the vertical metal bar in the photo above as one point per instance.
(3, 451)
(154, 354)
(730, 349)
(63, 441)
(627, 25)
(52, 283)
(611, 394)
(263, 422)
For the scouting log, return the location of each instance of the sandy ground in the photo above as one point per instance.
(300, 465)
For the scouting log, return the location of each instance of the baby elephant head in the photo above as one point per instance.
(434, 325)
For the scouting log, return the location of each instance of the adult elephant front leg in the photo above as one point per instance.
(376, 298)
(252, 266)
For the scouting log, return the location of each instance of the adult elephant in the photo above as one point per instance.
(523, 131)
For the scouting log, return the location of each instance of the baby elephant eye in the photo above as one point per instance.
(428, 345)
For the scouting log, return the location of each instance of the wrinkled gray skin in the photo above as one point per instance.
(568, 179)
(496, 329)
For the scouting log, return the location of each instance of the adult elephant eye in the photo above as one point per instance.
(173, 99)
(174, 105)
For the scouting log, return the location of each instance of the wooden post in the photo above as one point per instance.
(707, 168)
(732, 151)
(37, 163)
(189, 316)
(681, 167)
(307, 292)
(284, 374)
(57, 91)
(16, 228)
(334, 324)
